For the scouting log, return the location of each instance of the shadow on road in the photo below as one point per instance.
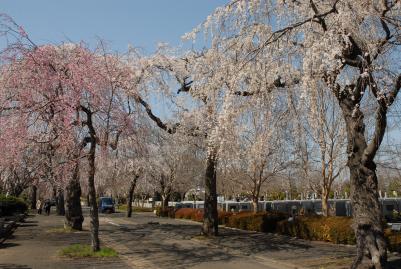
(8, 245)
(14, 266)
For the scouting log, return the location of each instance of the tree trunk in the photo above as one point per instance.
(210, 216)
(94, 214)
(131, 196)
(367, 213)
(165, 200)
(73, 216)
(255, 195)
(255, 203)
(94, 223)
(325, 202)
(33, 196)
(60, 209)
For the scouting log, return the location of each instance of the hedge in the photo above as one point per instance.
(165, 212)
(260, 222)
(10, 205)
(393, 240)
(331, 229)
(336, 230)
(197, 215)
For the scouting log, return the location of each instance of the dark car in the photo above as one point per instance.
(106, 205)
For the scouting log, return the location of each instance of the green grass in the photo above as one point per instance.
(85, 251)
(123, 207)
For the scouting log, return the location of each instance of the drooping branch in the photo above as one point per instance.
(153, 117)
(381, 117)
(277, 83)
(276, 35)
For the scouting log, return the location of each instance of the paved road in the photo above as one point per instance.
(149, 242)
(145, 241)
(169, 243)
(34, 245)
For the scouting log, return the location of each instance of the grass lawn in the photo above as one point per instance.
(123, 208)
(84, 251)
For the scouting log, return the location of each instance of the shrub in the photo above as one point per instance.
(185, 213)
(197, 215)
(165, 212)
(331, 229)
(260, 222)
(393, 240)
(11, 205)
(142, 209)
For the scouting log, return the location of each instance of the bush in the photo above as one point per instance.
(165, 212)
(331, 229)
(393, 240)
(188, 213)
(197, 215)
(11, 205)
(260, 222)
(142, 209)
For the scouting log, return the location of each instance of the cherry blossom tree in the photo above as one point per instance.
(258, 150)
(68, 91)
(348, 46)
(327, 130)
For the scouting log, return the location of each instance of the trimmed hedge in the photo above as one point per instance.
(165, 212)
(260, 222)
(11, 205)
(336, 230)
(393, 240)
(197, 215)
(331, 229)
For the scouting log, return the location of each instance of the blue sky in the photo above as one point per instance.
(142, 23)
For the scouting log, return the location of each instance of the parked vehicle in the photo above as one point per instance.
(106, 205)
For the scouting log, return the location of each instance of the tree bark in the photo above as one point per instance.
(94, 223)
(367, 213)
(60, 209)
(73, 216)
(94, 214)
(255, 195)
(33, 196)
(325, 202)
(165, 200)
(255, 204)
(131, 196)
(210, 216)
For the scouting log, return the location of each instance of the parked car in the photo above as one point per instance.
(106, 205)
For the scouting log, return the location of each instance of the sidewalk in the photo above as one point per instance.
(34, 245)
(164, 242)
(145, 241)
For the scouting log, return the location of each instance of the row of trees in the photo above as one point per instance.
(281, 88)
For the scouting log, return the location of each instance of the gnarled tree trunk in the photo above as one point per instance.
(73, 216)
(94, 214)
(33, 196)
(131, 196)
(367, 213)
(210, 217)
(255, 194)
(325, 202)
(60, 210)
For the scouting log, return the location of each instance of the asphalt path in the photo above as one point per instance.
(146, 241)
